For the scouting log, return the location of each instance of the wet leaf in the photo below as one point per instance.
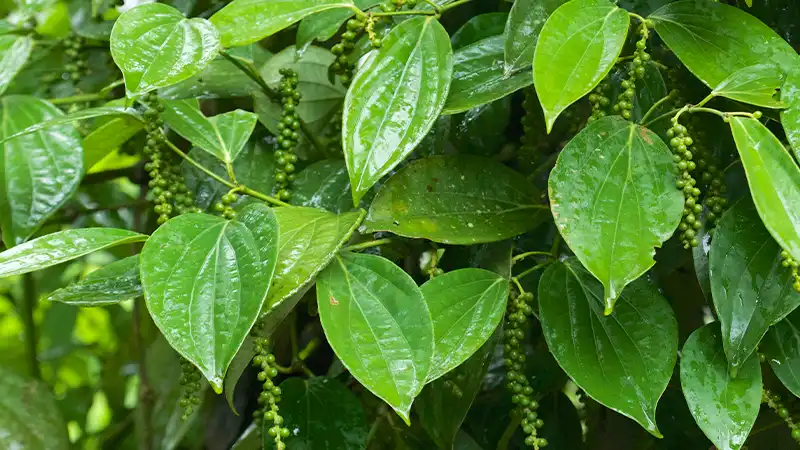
(223, 135)
(525, 22)
(477, 28)
(155, 46)
(577, 47)
(219, 79)
(781, 347)
(108, 285)
(107, 138)
(456, 200)
(394, 100)
(62, 246)
(751, 290)
(205, 279)
(83, 114)
(15, 51)
(324, 25)
(39, 171)
(758, 85)
(790, 117)
(624, 360)
(378, 324)
(324, 184)
(467, 305)
(649, 90)
(29, 415)
(478, 76)
(614, 200)
(774, 180)
(725, 408)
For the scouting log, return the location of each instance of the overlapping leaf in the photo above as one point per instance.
(14, 53)
(758, 85)
(525, 22)
(109, 285)
(29, 415)
(781, 347)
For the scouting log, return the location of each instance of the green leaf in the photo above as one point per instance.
(324, 184)
(774, 180)
(83, 114)
(781, 347)
(394, 100)
(724, 407)
(109, 285)
(478, 76)
(577, 47)
(60, 247)
(155, 46)
(467, 305)
(242, 22)
(790, 117)
(751, 290)
(525, 22)
(479, 27)
(378, 324)
(649, 90)
(326, 415)
(29, 415)
(220, 78)
(714, 40)
(456, 200)
(758, 85)
(323, 26)
(107, 138)
(14, 53)
(205, 279)
(223, 135)
(38, 172)
(623, 361)
(614, 199)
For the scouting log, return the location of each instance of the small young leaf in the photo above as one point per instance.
(751, 290)
(467, 305)
(156, 46)
(774, 180)
(456, 200)
(60, 247)
(395, 99)
(14, 53)
(758, 85)
(724, 407)
(242, 22)
(325, 185)
(577, 47)
(30, 415)
(223, 135)
(614, 199)
(525, 22)
(378, 324)
(781, 347)
(205, 279)
(623, 361)
(478, 76)
(109, 285)
(790, 117)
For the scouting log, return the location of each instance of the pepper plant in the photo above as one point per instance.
(399, 224)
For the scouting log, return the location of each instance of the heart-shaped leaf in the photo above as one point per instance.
(525, 22)
(205, 279)
(614, 200)
(14, 53)
(156, 46)
(108, 285)
(223, 135)
(29, 415)
(378, 324)
(394, 100)
(781, 347)
(724, 407)
(623, 361)
(758, 85)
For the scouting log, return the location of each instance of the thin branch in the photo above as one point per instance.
(366, 245)
(522, 256)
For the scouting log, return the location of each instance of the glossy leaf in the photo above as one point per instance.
(83, 114)
(477, 28)
(156, 46)
(223, 135)
(456, 200)
(774, 180)
(325, 185)
(107, 138)
(205, 279)
(29, 415)
(60, 247)
(394, 100)
(614, 200)
(781, 347)
(478, 76)
(525, 22)
(577, 47)
(14, 53)
(758, 85)
(623, 361)
(324, 413)
(378, 324)
(38, 171)
(220, 78)
(751, 290)
(109, 285)
(714, 41)
(724, 407)
(649, 90)
(790, 117)
(466, 305)
(242, 22)
(324, 25)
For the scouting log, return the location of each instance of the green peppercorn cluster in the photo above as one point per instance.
(333, 135)
(77, 66)
(270, 394)
(223, 207)
(713, 182)
(288, 134)
(342, 66)
(680, 141)
(517, 313)
(450, 383)
(170, 194)
(599, 100)
(624, 105)
(774, 402)
(190, 387)
(791, 264)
